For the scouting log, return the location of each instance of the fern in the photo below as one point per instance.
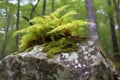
(58, 11)
(53, 31)
(75, 25)
(69, 14)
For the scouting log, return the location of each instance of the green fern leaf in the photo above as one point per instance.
(71, 13)
(57, 12)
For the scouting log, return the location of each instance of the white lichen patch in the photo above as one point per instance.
(102, 58)
(86, 72)
(36, 52)
(73, 63)
(38, 48)
(118, 78)
(89, 55)
(83, 48)
(76, 66)
(10, 73)
(96, 60)
(73, 57)
(77, 44)
(84, 65)
(93, 57)
(24, 54)
(85, 52)
(68, 65)
(99, 54)
(76, 61)
(79, 65)
(24, 71)
(58, 59)
(80, 51)
(91, 49)
(65, 55)
(90, 43)
(86, 57)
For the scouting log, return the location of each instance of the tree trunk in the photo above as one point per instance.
(33, 9)
(53, 8)
(112, 26)
(3, 52)
(17, 24)
(31, 13)
(91, 18)
(117, 9)
(44, 8)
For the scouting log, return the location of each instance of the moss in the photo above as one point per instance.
(61, 45)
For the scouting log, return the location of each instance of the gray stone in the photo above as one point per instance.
(87, 63)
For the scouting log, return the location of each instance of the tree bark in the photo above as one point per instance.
(53, 7)
(3, 52)
(44, 8)
(17, 24)
(113, 32)
(31, 13)
(117, 9)
(33, 9)
(92, 19)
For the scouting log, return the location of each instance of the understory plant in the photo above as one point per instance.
(57, 33)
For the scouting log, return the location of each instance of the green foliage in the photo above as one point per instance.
(57, 33)
(61, 45)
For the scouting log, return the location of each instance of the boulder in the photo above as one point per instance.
(87, 63)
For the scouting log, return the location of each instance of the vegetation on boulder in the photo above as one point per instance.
(57, 33)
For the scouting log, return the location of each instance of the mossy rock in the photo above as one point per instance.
(62, 45)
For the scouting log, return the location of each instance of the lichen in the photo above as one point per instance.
(73, 56)
(79, 65)
(63, 75)
(86, 57)
(90, 43)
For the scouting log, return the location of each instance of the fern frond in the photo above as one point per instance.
(57, 12)
(26, 41)
(19, 32)
(68, 14)
(38, 20)
(73, 25)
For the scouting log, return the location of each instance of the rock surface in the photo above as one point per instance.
(87, 63)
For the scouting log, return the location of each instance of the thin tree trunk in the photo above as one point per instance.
(117, 9)
(17, 24)
(112, 26)
(3, 52)
(31, 13)
(33, 9)
(44, 8)
(118, 18)
(91, 18)
(53, 8)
